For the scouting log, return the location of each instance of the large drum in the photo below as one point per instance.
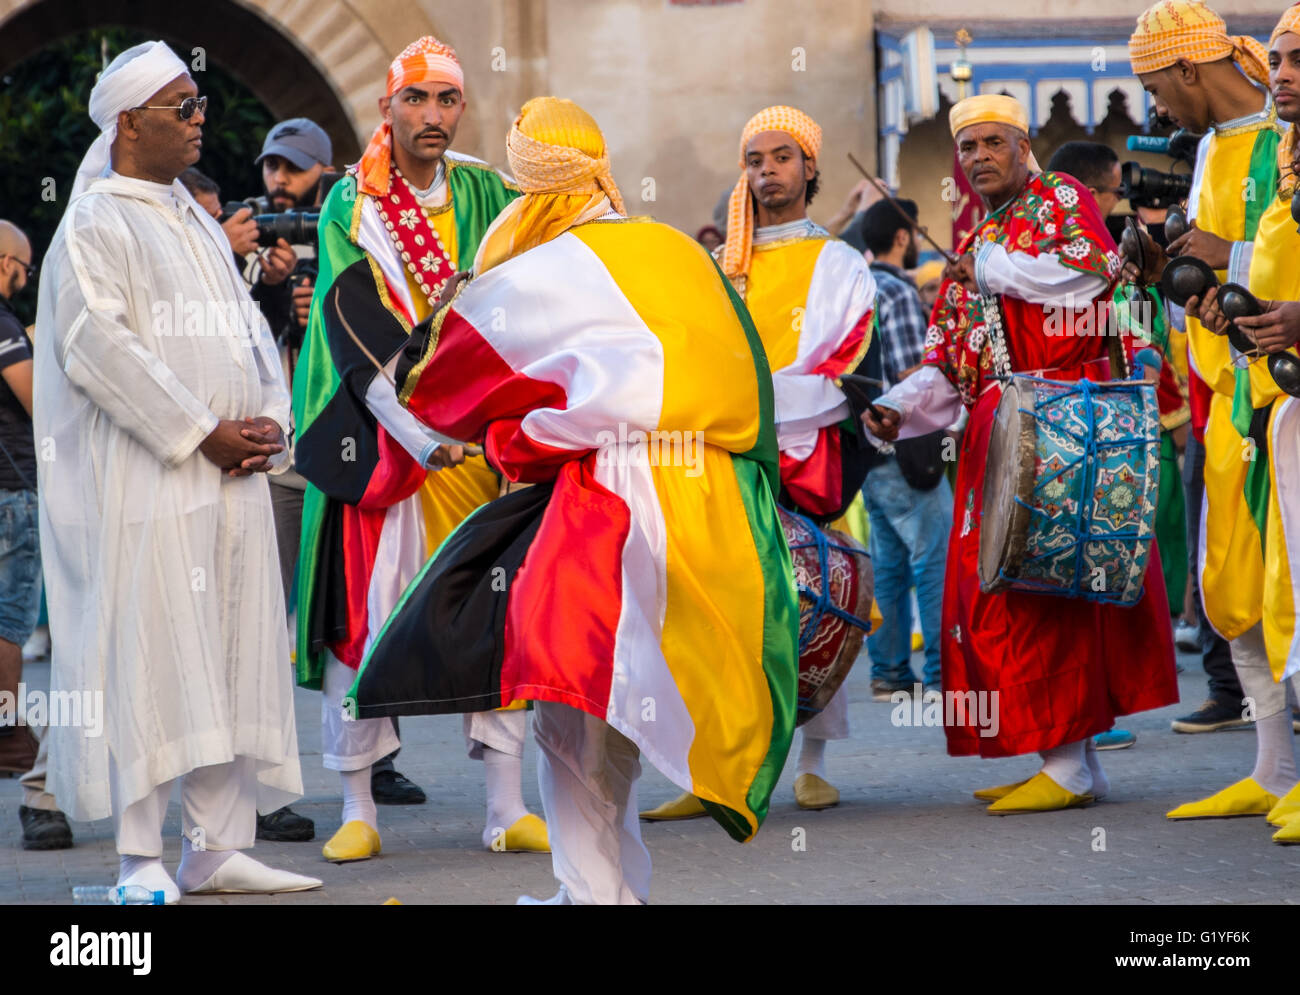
(1070, 489)
(833, 575)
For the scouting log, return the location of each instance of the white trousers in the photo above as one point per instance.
(218, 811)
(587, 772)
(832, 722)
(355, 744)
(1251, 663)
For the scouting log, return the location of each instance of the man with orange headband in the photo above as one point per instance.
(1060, 670)
(639, 592)
(384, 491)
(1253, 597)
(811, 297)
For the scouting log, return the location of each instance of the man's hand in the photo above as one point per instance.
(277, 263)
(1209, 249)
(243, 447)
(446, 456)
(1206, 311)
(1153, 255)
(963, 271)
(241, 231)
(886, 427)
(1278, 328)
(302, 291)
(449, 289)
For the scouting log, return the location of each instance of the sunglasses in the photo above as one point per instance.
(184, 110)
(31, 270)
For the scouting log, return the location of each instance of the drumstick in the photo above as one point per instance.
(919, 229)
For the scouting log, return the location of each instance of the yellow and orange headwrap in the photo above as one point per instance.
(991, 108)
(425, 60)
(736, 251)
(1184, 29)
(1286, 148)
(558, 157)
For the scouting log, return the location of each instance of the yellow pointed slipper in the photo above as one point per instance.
(527, 834)
(354, 841)
(1246, 797)
(1039, 794)
(685, 806)
(812, 792)
(1287, 806)
(1290, 831)
(1001, 791)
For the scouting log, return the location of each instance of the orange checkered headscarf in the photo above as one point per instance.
(1184, 29)
(558, 157)
(425, 60)
(737, 249)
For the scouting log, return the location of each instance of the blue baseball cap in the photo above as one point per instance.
(300, 140)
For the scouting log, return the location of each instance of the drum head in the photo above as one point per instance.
(1008, 474)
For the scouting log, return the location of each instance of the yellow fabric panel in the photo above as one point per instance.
(448, 497)
(1232, 562)
(715, 606)
(776, 294)
(708, 381)
(1274, 276)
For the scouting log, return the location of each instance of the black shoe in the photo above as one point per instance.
(1211, 717)
(388, 787)
(884, 690)
(285, 826)
(44, 830)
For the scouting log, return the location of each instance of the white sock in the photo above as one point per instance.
(505, 797)
(1100, 782)
(129, 864)
(1067, 766)
(199, 865)
(812, 757)
(358, 802)
(1275, 768)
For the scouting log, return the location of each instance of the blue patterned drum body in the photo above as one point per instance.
(1070, 489)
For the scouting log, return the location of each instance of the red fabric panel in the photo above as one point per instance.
(1198, 396)
(397, 476)
(566, 598)
(361, 529)
(815, 483)
(843, 359)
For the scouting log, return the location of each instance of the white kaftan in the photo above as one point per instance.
(161, 573)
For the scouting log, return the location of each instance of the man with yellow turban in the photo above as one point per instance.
(811, 298)
(1267, 652)
(385, 492)
(1059, 669)
(639, 593)
(1208, 81)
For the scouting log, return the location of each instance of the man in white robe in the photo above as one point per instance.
(159, 404)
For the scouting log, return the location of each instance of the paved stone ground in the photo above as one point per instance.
(906, 830)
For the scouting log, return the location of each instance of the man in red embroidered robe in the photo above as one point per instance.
(1050, 671)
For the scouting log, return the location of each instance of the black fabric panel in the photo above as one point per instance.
(441, 652)
(413, 350)
(329, 609)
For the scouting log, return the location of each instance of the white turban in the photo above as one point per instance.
(129, 81)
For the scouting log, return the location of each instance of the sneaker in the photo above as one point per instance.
(285, 826)
(1116, 739)
(882, 690)
(1187, 637)
(388, 787)
(44, 829)
(1211, 717)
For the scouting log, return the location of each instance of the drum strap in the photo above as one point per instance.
(992, 308)
(821, 600)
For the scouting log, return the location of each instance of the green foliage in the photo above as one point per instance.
(47, 130)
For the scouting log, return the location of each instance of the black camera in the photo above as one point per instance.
(1145, 187)
(295, 227)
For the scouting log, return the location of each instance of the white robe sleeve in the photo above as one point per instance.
(1037, 279)
(926, 400)
(410, 433)
(108, 361)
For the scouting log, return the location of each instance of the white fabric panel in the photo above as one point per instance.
(398, 558)
(927, 400)
(349, 744)
(562, 350)
(374, 240)
(840, 292)
(1040, 279)
(409, 432)
(1284, 451)
(162, 573)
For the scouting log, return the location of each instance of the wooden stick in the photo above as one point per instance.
(919, 229)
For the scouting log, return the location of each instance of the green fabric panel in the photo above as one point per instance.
(478, 193)
(1263, 170)
(1171, 525)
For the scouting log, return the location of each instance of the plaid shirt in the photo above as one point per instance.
(901, 320)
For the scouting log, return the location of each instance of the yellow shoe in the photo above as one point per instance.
(1001, 791)
(1287, 806)
(1039, 794)
(685, 806)
(354, 841)
(527, 834)
(1290, 831)
(918, 642)
(812, 792)
(1246, 797)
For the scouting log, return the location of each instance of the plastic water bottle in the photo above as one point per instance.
(130, 894)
